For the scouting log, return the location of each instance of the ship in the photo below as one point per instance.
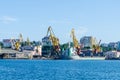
(70, 54)
(51, 45)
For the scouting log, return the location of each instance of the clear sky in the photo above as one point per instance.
(98, 18)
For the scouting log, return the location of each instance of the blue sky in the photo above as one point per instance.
(98, 18)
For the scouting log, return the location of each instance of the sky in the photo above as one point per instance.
(97, 18)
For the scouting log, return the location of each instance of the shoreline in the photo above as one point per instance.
(81, 58)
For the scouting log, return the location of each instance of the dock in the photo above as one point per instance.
(12, 54)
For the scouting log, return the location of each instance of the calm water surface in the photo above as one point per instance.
(59, 70)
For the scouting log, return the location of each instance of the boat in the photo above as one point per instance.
(72, 51)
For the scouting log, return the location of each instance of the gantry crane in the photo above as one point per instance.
(54, 40)
(75, 41)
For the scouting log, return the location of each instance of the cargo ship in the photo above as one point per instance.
(70, 54)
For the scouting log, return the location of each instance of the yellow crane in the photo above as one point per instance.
(97, 48)
(16, 43)
(54, 39)
(75, 41)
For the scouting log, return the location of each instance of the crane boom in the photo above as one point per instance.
(52, 37)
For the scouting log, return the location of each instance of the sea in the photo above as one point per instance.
(59, 69)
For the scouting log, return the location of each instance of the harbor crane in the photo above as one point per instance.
(96, 48)
(75, 41)
(16, 43)
(54, 40)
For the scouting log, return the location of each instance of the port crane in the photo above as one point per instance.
(96, 48)
(75, 41)
(16, 43)
(54, 40)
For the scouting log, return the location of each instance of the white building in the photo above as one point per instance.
(88, 41)
(6, 43)
(104, 45)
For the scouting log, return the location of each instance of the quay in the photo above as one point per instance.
(12, 54)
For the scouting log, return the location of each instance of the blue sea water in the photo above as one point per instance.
(59, 70)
